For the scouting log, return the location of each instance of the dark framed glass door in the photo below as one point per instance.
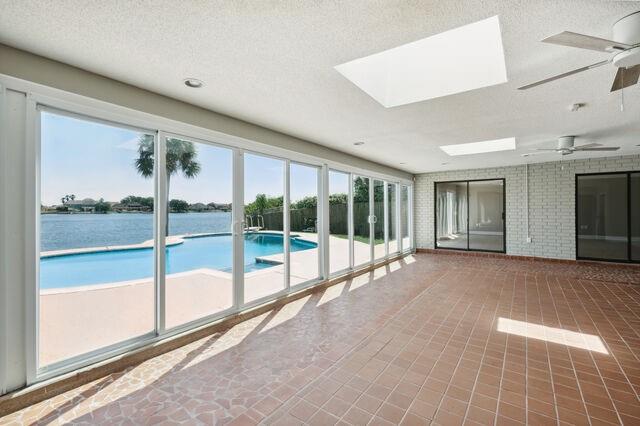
(608, 216)
(469, 215)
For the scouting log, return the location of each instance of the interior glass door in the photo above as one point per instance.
(486, 215)
(601, 220)
(451, 215)
(635, 216)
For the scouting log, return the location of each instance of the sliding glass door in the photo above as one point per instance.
(304, 259)
(634, 211)
(379, 210)
(264, 243)
(96, 282)
(486, 215)
(470, 215)
(339, 221)
(361, 221)
(144, 234)
(199, 247)
(405, 218)
(392, 218)
(608, 216)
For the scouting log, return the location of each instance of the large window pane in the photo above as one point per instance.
(338, 221)
(263, 238)
(486, 207)
(303, 195)
(199, 248)
(404, 217)
(96, 237)
(378, 212)
(635, 216)
(392, 221)
(361, 230)
(602, 216)
(451, 215)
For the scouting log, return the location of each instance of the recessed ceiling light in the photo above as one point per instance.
(458, 60)
(506, 144)
(358, 143)
(194, 83)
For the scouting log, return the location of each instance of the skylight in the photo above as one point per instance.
(506, 144)
(455, 61)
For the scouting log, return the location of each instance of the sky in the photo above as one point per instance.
(93, 160)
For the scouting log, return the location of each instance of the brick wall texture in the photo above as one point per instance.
(551, 202)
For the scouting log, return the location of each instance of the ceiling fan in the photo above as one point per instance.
(626, 52)
(566, 146)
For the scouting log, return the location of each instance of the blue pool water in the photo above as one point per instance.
(213, 252)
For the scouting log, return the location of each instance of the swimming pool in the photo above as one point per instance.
(212, 252)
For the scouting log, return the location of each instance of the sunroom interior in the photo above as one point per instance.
(320, 213)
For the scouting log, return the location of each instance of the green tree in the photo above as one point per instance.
(178, 206)
(102, 206)
(181, 156)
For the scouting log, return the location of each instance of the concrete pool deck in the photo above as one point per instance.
(77, 320)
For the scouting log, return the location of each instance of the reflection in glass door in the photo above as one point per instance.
(199, 248)
(486, 211)
(264, 251)
(634, 185)
(378, 218)
(405, 217)
(601, 221)
(451, 215)
(361, 226)
(470, 215)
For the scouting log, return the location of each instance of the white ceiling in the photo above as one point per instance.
(272, 63)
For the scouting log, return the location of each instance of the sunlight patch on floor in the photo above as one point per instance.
(409, 259)
(331, 293)
(379, 273)
(288, 311)
(232, 337)
(360, 281)
(552, 335)
(394, 266)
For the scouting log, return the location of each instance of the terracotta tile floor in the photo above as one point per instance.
(432, 339)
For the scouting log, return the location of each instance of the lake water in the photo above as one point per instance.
(66, 231)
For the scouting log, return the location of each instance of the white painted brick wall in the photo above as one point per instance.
(551, 202)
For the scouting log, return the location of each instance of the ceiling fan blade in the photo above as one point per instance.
(604, 148)
(626, 77)
(566, 74)
(529, 154)
(546, 149)
(581, 41)
(587, 145)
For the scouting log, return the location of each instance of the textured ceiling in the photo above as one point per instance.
(271, 63)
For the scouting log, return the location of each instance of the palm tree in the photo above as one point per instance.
(181, 156)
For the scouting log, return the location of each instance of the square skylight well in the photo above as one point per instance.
(506, 144)
(455, 61)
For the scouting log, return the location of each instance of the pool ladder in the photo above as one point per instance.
(249, 222)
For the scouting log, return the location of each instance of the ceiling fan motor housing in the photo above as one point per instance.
(565, 142)
(627, 30)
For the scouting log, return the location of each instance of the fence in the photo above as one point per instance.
(304, 219)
